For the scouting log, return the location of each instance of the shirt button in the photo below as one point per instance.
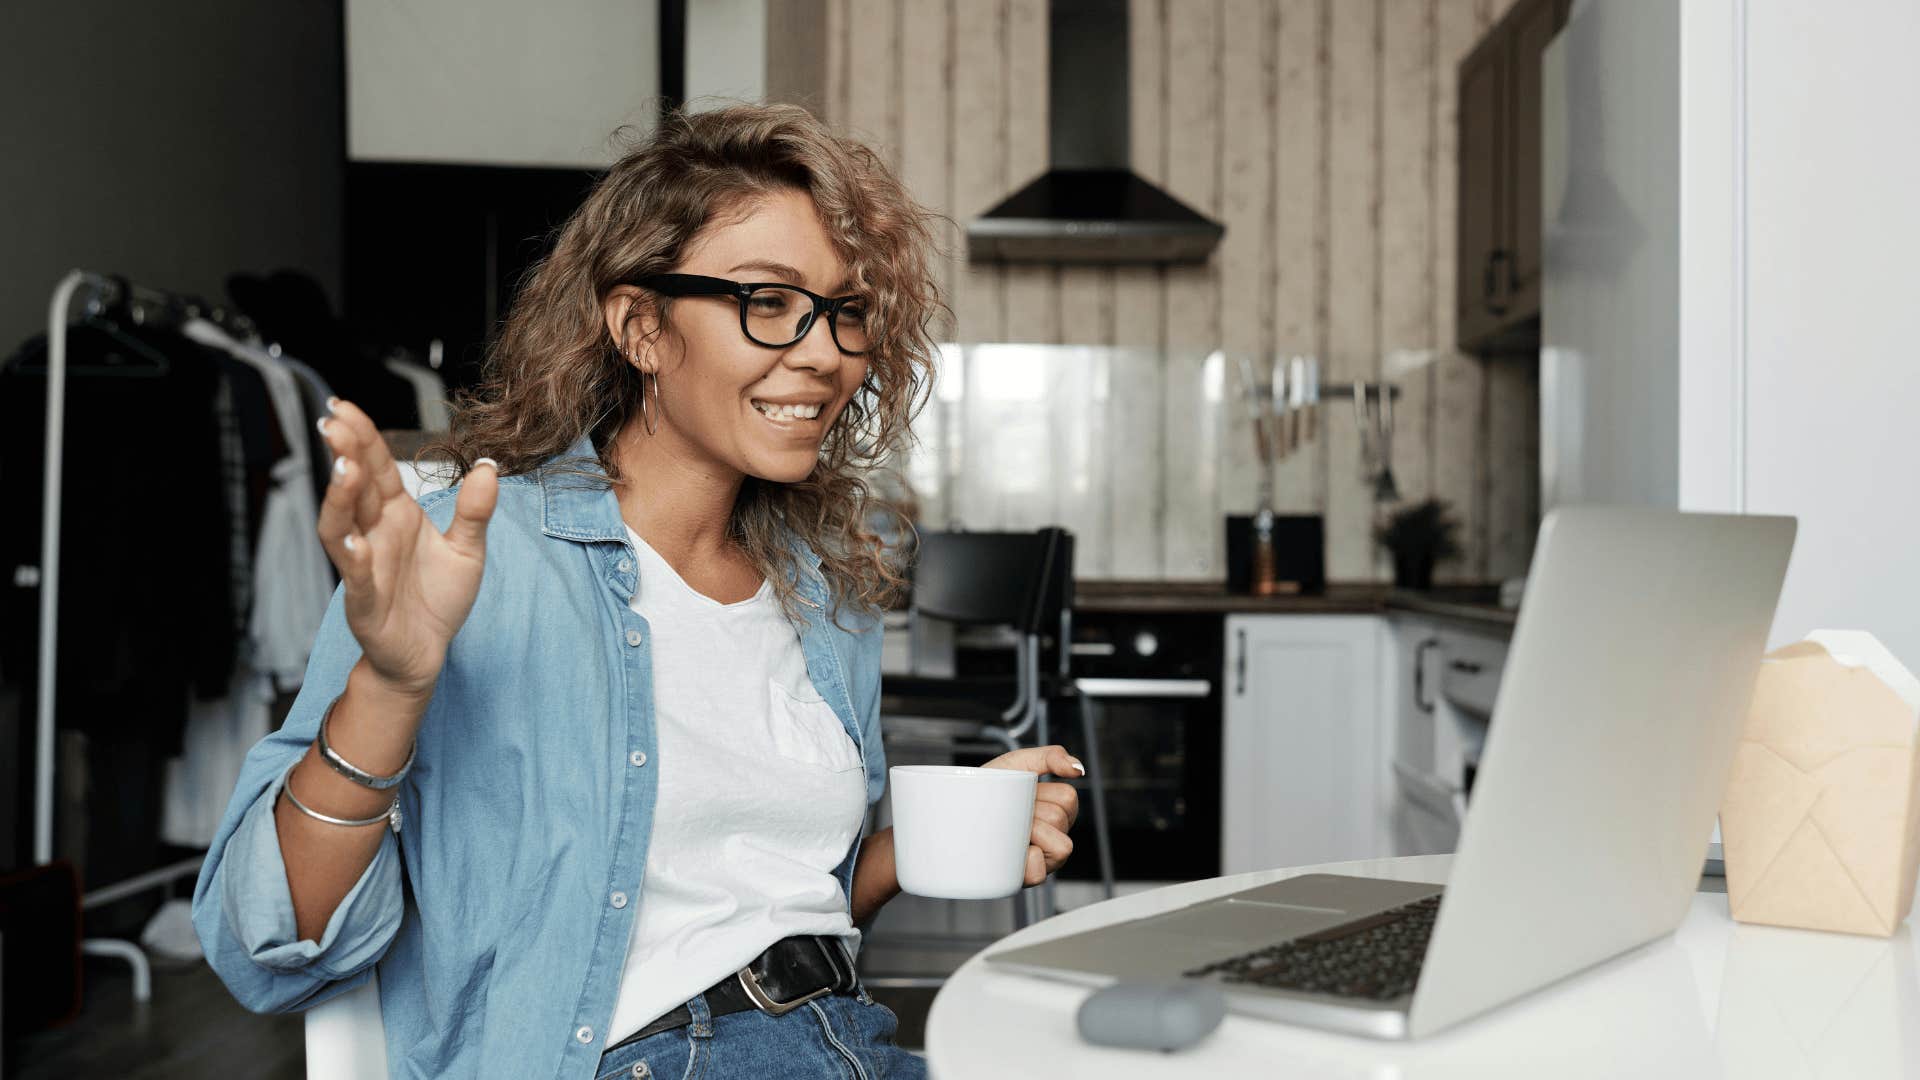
(625, 565)
(585, 1035)
(633, 637)
(641, 1070)
(637, 758)
(618, 899)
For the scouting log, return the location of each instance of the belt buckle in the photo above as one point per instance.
(764, 1002)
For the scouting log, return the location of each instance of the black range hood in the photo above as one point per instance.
(1089, 207)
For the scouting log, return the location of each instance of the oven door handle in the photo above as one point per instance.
(1144, 688)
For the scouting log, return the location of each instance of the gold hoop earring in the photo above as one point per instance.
(646, 414)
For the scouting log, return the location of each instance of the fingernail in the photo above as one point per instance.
(349, 541)
(331, 402)
(486, 461)
(339, 466)
(1077, 765)
(320, 425)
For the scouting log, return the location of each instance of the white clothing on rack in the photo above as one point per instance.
(429, 392)
(291, 587)
(292, 582)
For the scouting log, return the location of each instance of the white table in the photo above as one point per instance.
(1716, 999)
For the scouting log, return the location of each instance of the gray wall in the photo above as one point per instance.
(172, 143)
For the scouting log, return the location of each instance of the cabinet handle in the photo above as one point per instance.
(1240, 663)
(1420, 674)
(1465, 667)
(1490, 284)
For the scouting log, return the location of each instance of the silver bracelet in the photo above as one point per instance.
(353, 772)
(391, 816)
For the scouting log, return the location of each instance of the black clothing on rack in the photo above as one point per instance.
(291, 308)
(145, 599)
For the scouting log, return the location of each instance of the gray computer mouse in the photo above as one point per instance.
(1152, 1016)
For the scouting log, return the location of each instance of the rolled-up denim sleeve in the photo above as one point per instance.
(242, 906)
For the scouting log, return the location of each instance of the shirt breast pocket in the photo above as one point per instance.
(808, 730)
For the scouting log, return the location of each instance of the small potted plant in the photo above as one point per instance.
(1418, 536)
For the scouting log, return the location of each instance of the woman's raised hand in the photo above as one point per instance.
(408, 586)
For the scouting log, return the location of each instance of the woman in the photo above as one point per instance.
(586, 741)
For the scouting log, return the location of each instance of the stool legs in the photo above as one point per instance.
(1096, 790)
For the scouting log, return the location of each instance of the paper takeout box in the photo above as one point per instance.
(1822, 808)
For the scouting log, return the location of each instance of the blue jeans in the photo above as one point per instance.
(837, 1037)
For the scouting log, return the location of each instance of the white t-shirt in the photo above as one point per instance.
(760, 795)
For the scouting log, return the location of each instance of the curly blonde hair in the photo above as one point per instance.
(554, 372)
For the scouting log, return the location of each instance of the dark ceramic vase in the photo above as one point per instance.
(1412, 570)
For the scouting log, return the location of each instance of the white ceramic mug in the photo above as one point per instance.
(961, 833)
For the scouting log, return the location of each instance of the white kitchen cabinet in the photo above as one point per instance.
(1305, 757)
(1442, 680)
(1421, 818)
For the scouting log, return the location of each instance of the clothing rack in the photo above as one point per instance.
(100, 292)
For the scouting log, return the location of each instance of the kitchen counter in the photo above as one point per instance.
(1474, 606)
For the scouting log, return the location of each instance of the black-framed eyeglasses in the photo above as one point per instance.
(773, 313)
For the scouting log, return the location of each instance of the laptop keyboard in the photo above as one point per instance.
(1376, 957)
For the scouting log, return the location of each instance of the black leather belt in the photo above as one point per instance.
(792, 972)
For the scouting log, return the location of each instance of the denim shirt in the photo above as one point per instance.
(498, 916)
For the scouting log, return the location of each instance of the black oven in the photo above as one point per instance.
(1153, 680)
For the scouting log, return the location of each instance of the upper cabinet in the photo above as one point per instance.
(1497, 280)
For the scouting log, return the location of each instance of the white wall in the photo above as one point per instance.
(498, 82)
(726, 52)
(1833, 308)
(1756, 350)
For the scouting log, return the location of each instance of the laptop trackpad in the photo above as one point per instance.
(1287, 908)
(1243, 926)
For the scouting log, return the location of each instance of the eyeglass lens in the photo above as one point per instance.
(778, 317)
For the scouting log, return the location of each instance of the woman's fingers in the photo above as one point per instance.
(1049, 849)
(479, 490)
(374, 452)
(1053, 843)
(345, 443)
(1053, 814)
(1040, 759)
(351, 434)
(339, 532)
(1062, 798)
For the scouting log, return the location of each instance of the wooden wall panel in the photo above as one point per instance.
(926, 143)
(1406, 235)
(1352, 331)
(1454, 449)
(1299, 232)
(1190, 454)
(979, 136)
(1139, 321)
(1030, 290)
(1322, 134)
(873, 86)
(1246, 258)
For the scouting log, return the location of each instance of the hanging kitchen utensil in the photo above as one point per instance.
(1384, 489)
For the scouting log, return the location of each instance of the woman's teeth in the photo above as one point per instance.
(788, 412)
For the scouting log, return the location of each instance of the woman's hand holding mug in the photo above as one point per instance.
(1055, 805)
(965, 833)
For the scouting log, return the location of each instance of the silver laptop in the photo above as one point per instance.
(1626, 684)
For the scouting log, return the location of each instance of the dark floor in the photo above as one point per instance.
(192, 1029)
